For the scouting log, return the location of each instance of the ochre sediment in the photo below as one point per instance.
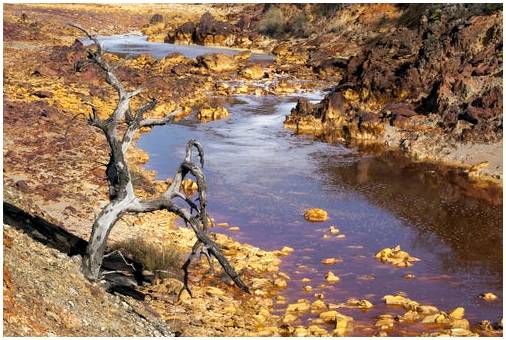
(54, 162)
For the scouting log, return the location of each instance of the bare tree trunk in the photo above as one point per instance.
(102, 226)
(121, 192)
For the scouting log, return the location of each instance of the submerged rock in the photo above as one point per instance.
(333, 230)
(331, 260)
(286, 251)
(384, 322)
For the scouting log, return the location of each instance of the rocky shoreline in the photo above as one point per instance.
(425, 80)
(431, 90)
(53, 165)
(54, 162)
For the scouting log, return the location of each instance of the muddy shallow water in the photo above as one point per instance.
(262, 177)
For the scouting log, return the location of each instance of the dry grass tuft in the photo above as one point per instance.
(155, 257)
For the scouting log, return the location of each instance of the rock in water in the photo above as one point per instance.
(396, 257)
(212, 113)
(488, 296)
(331, 260)
(316, 215)
(253, 71)
(457, 313)
(330, 277)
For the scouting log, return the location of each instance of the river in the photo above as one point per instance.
(262, 177)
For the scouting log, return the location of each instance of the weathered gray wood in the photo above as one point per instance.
(121, 191)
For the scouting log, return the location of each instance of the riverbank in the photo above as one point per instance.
(54, 163)
(54, 159)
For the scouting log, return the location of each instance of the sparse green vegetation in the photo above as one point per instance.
(491, 8)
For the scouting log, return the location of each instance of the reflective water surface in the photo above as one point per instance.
(133, 44)
(262, 177)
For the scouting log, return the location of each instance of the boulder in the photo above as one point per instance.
(208, 31)
(316, 215)
(183, 34)
(253, 71)
(213, 32)
(208, 113)
(218, 62)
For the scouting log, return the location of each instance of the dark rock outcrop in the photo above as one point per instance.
(446, 62)
(211, 32)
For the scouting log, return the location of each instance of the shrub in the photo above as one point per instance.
(327, 9)
(156, 18)
(273, 23)
(154, 257)
(299, 26)
(491, 8)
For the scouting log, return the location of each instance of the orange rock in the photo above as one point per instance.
(316, 215)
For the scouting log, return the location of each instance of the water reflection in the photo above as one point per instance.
(133, 45)
(261, 177)
(466, 217)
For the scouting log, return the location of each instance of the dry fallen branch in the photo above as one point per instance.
(122, 197)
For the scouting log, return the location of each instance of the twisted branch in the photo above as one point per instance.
(122, 197)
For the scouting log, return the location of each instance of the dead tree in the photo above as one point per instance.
(121, 191)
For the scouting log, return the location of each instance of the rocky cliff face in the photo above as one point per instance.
(448, 64)
(441, 73)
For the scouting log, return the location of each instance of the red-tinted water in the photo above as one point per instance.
(262, 177)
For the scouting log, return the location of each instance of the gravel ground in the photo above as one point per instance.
(45, 294)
